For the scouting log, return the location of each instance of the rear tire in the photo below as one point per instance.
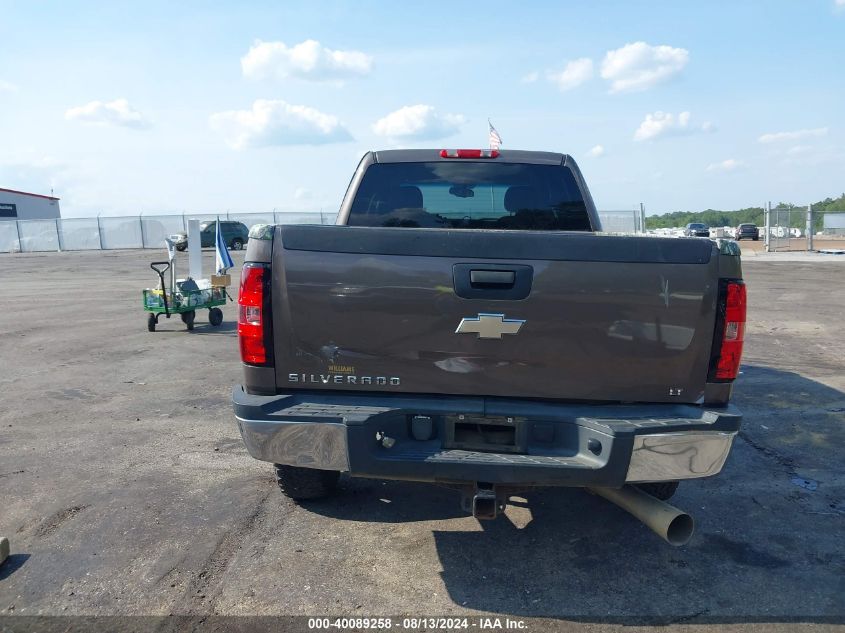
(663, 490)
(151, 322)
(305, 483)
(237, 244)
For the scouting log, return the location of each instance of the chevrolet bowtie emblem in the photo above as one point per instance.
(489, 325)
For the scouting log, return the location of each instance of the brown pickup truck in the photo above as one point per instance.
(467, 323)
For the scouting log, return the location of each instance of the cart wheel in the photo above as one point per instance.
(151, 322)
(188, 319)
(215, 316)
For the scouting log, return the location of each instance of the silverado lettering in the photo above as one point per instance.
(340, 379)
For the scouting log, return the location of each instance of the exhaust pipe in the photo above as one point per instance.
(672, 525)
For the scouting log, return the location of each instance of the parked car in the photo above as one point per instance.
(235, 235)
(409, 342)
(745, 231)
(696, 229)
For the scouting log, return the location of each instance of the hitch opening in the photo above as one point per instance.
(484, 504)
(483, 500)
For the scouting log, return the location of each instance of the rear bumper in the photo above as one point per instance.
(564, 444)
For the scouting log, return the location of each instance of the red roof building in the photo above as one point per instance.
(21, 205)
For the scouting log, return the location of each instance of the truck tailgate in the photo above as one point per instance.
(468, 312)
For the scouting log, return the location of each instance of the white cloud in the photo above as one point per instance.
(639, 66)
(813, 157)
(306, 60)
(277, 122)
(797, 135)
(730, 164)
(418, 122)
(575, 73)
(800, 149)
(302, 193)
(117, 112)
(661, 124)
(531, 77)
(7, 86)
(840, 4)
(597, 151)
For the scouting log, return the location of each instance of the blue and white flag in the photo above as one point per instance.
(171, 249)
(224, 260)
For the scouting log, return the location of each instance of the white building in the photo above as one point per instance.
(19, 205)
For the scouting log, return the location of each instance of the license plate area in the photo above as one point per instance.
(492, 434)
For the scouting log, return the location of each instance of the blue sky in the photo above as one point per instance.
(211, 106)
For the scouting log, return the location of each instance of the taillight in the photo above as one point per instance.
(252, 315)
(725, 365)
(469, 153)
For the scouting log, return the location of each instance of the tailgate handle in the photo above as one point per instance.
(477, 280)
(492, 277)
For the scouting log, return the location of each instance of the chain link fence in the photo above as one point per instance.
(787, 228)
(149, 231)
(108, 233)
(632, 221)
(781, 228)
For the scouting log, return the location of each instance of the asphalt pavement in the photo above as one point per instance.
(126, 489)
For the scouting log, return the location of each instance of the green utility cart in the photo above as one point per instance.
(185, 299)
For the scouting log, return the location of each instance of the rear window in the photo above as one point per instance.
(470, 195)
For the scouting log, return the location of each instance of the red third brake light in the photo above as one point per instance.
(251, 315)
(733, 334)
(469, 153)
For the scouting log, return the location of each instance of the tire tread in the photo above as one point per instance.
(305, 483)
(663, 490)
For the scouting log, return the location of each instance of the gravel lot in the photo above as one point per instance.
(126, 490)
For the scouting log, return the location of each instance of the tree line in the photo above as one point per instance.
(751, 215)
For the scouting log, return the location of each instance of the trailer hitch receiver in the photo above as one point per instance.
(484, 501)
